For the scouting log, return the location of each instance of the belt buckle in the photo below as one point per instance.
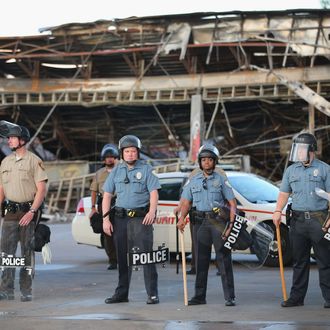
(307, 215)
(131, 213)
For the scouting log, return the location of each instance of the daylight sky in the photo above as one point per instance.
(26, 17)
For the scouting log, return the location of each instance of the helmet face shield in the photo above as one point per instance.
(299, 152)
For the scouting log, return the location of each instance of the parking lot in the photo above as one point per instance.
(70, 293)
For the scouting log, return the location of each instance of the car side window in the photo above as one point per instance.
(170, 189)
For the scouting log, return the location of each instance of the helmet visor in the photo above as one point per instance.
(299, 152)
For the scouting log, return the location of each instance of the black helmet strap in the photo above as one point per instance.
(20, 145)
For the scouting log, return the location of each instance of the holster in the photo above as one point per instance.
(288, 214)
(192, 216)
(13, 207)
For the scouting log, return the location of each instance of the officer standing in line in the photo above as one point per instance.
(109, 155)
(207, 191)
(177, 210)
(22, 191)
(309, 215)
(136, 187)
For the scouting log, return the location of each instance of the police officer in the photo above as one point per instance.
(177, 210)
(23, 189)
(309, 213)
(137, 195)
(208, 191)
(109, 156)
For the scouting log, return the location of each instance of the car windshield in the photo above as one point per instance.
(255, 189)
(170, 188)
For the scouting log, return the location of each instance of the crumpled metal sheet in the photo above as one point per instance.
(302, 34)
(178, 39)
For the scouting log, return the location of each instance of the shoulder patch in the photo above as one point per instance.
(228, 184)
(41, 165)
(186, 184)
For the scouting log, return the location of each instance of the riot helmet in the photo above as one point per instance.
(19, 131)
(25, 134)
(5, 127)
(302, 145)
(129, 141)
(209, 151)
(109, 150)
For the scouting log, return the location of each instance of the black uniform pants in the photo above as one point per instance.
(11, 234)
(304, 234)
(130, 233)
(207, 233)
(109, 244)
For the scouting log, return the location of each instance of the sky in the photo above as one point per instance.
(26, 17)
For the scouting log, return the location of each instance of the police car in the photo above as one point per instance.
(255, 195)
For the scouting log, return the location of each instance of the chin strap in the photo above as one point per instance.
(18, 147)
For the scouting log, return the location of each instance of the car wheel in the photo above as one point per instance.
(273, 260)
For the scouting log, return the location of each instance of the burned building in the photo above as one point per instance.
(259, 78)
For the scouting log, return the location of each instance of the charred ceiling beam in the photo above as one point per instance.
(134, 67)
(60, 133)
(32, 53)
(232, 86)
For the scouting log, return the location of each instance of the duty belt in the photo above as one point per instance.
(14, 207)
(205, 214)
(132, 213)
(208, 215)
(308, 214)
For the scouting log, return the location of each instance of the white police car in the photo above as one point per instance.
(255, 196)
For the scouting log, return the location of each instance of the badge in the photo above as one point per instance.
(138, 175)
(316, 172)
(216, 183)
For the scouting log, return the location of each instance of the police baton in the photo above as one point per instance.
(107, 213)
(280, 260)
(177, 257)
(184, 274)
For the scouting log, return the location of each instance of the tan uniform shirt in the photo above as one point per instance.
(19, 177)
(219, 170)
(99, 179)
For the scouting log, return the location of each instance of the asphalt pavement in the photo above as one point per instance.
(69, 293)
